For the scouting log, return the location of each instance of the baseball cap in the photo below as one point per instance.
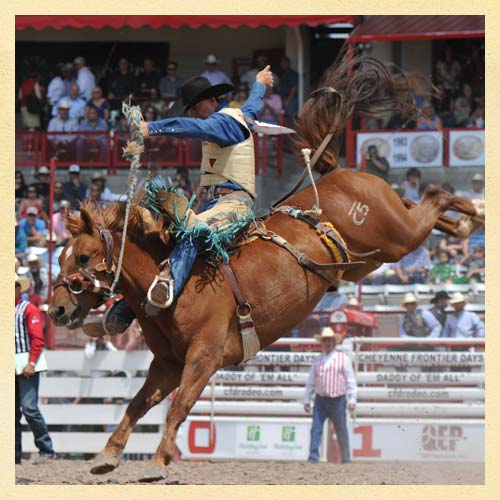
(32, 211)
(211, 59)
(477, 177)
(74, 169)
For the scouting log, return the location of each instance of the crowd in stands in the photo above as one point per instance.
(71, 100)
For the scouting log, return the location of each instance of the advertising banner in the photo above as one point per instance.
(402, 149)
(466, 147)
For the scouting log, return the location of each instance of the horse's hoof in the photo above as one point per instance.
(103, 464)
(154, 474)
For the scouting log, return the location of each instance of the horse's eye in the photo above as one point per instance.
(83, 259)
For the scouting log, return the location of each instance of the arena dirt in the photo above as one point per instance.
(189, 473)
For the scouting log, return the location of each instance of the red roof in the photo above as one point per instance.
(117, 22)
(393, 28)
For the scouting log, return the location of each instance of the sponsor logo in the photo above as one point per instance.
(253, 433)
(441, 437)
(288, 434)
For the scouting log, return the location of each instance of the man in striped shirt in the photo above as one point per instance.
(332, 380)
(29, 339)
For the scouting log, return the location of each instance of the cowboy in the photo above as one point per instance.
(227, 169)
(43, 178)
(417, 322)
(440, 301)
(353, 303)
(462, 323)
(332, 380)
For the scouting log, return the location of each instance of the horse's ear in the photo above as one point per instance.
(78, 224)
(87, 224)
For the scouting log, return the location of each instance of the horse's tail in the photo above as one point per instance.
(354, 85)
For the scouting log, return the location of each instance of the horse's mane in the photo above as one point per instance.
(363, 86)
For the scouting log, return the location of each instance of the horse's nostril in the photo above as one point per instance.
(59, 311)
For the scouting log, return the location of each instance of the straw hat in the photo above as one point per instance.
(328, 333)
(43, 170)
(353, 301)
(457, 298)
(24, 283)
(32, 257)
(409, 298)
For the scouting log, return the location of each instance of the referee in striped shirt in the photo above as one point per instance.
(332, 380)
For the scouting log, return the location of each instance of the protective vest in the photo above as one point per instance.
(415, 325)
(232, 163)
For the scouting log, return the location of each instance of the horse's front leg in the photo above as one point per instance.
(202, 360)
(162, 378)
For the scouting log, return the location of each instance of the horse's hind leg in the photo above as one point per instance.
(162, 378)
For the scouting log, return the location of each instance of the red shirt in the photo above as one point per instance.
(34, 325)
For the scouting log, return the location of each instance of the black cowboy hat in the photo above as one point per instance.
(195, 90)
(440, 295)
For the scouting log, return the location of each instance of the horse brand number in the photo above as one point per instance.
(358, 212)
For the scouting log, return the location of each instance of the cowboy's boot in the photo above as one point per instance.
(116, 320)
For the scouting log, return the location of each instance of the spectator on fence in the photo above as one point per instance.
(171, 83)
(148, 78)
(417, 322)
(59, 224)
(411, 185)
(85, 79)
(30, 96)
(414, 267)
(42, 185)
(77, 104)
(34, 227)
(213, 74)
(475, 265)
(463, 107)
(428, 119)
(29, 343)
(21, 241)
(272, 107)
(448, 71)
(38, 276)
(477, 192)
(442, 271)
(240, 97)
(462, 323)
(376, 164)
(287, 88)
(74, 189)
(20, 187)
(440, 301)
(122, 82)
(62, 123)
(101, 104)
(32, 200)
(332, 380)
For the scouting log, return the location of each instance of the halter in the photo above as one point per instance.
(85, 279)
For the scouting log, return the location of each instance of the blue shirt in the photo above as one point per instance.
(465, 324)
(39, 226)
(218, 128)
(430, 320)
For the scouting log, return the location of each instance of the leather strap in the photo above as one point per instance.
(235, 287)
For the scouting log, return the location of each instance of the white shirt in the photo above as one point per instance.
(55, 90)
(85, 82)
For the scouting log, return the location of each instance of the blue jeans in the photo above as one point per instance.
(335, 410)
(27, 404)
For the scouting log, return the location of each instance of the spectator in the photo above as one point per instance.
(148, 78)
(475, 239)
(201, 193)
(287, 88)
(121, 124)
(63, 123)
(413, 267)
(95, 195)
(59, 224)
(260, 63)
(76, 102)
(376, 164)
(90, 144)
(463, 107)
(38, 276)
(43, 185)
(29, 342)
(73, 189)
(170, 84)
(440, 301)
(30, 97)
(240, 98)
(157, 103)
(331, 377)
(183, 183)
(32, 200)
(429, 120)
(149, 113)
(272, 108)
(21, 242)
(122, 82)
(85, 79)
(353, 303)
(475, 264)
(412, 183)
(477, 118)
(417, 322)
(477, 192)
(382, 275)
(452, 246)
(99, 180)
(34, 227)
(100, 103)
(213, 74)
(58, 197)
(20, 186)
(448, 72)
(56, 88)
(442, 271)
(462, 323)
(442, 103)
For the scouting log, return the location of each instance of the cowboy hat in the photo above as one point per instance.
(353, 301)
(440, 295)
(478, 177)
(211, 59)
(457, 298)
(98, 176)
(328, 333)
(195, 90)
(409, 298)
(24, 283)
(34, 258)
(43, 170)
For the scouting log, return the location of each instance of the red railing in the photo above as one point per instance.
(27, 149)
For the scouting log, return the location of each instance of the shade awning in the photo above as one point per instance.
(155, 22)
(400, 28)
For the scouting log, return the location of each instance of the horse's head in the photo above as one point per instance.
(86, 271)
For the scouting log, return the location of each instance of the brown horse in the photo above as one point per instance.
(199, 334)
